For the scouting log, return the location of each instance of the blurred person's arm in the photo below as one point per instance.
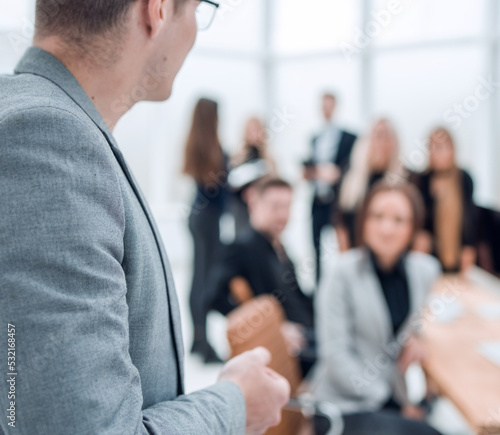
(413, 351)
(345, 369)
(227, 267)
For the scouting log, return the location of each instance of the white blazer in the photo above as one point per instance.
(358, 353)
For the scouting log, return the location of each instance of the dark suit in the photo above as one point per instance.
(323, 208)
(254, 258)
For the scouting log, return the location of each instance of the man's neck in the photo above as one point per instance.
(110, 87)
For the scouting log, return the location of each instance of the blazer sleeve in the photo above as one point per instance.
(345, 367)
(227, 267)
(64, 288)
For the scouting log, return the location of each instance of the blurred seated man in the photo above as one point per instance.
(258, 264)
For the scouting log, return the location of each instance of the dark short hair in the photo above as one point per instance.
(406, 189)
(77, 20)
(264, 184)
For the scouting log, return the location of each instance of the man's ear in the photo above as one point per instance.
(249, 196)
(156, 12)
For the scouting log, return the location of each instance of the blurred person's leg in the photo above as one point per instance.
(321, 217)
(204, 228)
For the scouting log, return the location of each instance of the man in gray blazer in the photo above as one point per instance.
(87, 302)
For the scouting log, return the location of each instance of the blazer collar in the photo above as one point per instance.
(41, 63)
(375, 293)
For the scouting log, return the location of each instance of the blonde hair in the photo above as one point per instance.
(355, 184)
(239, 158)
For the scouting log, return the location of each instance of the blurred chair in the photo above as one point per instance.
(258, 322)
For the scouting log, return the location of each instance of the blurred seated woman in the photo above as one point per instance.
(367, 316)
(449, 229)
(375, 157)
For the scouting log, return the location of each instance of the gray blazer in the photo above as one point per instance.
(357, 349)
(84, 277)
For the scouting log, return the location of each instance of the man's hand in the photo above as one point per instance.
(413, 412)
(328, 173)
(309, 173)
(265, 391)
(413, 352)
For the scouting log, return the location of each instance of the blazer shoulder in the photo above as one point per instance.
(29, 94)
(348, 263)
(425, 264)
(349, 135)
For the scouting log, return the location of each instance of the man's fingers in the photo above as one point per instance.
(282, 386)
(262, 355)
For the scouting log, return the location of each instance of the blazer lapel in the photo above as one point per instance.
(173, 303)
(39, 62)
(416, 288)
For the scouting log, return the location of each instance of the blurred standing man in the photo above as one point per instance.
(331, 151)
(85, 282)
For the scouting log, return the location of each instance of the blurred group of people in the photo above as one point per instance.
(447, 190)
(397, 231)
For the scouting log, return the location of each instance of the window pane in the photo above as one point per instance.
(314, 24)
(238, 25)
(14, 14)
(421, 20)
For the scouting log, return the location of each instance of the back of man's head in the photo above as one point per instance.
(78, 21)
